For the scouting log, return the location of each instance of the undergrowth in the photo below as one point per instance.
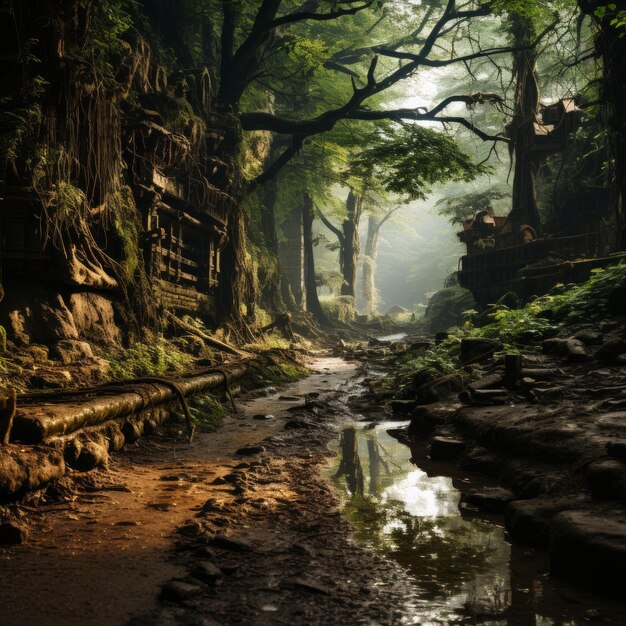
(207, 411)
(148, 359)
(523, 329)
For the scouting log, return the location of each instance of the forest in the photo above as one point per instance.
(312, 311)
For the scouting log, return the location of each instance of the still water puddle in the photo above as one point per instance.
(463, 569)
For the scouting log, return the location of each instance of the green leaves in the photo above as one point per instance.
(414, 158)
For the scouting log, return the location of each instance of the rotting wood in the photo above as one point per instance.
(216, 343)
(37, 422)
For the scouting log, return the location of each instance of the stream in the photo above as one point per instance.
(463, 569)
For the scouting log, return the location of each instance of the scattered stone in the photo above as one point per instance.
(205, 552)
(573, 350)
(179, 591)
(12, 533)
(489, 500)
(607, 478)
(191, 530)
(232, 543)
(290, 398)
(299, 423)
(589, 549)
(446, 448)
(250, 450)
(220, 480)
(260, 416)
(589, 337)
(207, 572)
(307, 584)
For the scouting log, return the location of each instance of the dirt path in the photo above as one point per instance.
(102, 558)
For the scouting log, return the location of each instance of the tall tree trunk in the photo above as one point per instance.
(310, 287)
(611, 45)
(369, 265)
(270, 280)
(351, 245)
(291, 254)
(524, 210)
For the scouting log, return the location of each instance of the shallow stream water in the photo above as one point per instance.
(462, 567)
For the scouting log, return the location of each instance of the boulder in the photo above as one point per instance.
(70, 351)
(528, 521)
(446, 448)
(589, 549)
(607, 479)
(571, 349)
(489, 500)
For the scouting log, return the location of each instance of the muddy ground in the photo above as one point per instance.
(241, 526)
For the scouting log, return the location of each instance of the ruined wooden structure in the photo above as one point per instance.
(502, 256)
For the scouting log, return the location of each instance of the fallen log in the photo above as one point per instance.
(35, 423)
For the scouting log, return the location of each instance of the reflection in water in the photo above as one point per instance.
(464, 570)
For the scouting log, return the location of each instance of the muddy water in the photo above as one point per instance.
(463, 569)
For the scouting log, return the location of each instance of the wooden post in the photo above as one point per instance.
(512, 369)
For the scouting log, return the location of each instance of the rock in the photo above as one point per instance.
(179, 591)
(481, 460)
(423, 422)
(589, 337)
(402, 408)
(489, 500)
(307, 584)
(299, 423)
(191, 530)
(70, 351)
(446, 448)
(235, 544)
(477, 349)
(12, 533)
(290, 398)
(261, 416)
(617, 301)
(589, 549)
(528, 521)
(616, 449)
(207, 572)
(610, 350)
(607, 479)
(573, 350)
(94, 317)
(250, 450)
